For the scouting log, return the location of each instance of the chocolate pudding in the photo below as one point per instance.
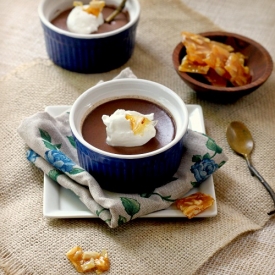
(120, 20)
(94, 130)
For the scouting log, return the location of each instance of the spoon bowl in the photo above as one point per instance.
(240, 140)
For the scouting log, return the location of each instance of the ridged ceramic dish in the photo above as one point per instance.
(88, 53)
(130, 173)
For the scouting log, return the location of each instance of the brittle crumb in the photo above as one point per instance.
(85, 261)
(194, 204)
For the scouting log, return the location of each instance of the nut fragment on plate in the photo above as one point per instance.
(85, 261)
(194, 204)
(217, 62)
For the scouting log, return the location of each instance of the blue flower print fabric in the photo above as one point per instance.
(52, 149)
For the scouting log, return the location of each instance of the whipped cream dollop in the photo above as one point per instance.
(85, 19)
(129, 128)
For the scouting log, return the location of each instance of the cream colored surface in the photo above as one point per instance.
(240, 240)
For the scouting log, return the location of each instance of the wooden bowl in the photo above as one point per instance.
(258, 60)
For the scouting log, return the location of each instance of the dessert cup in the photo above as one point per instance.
(88, 53)
(130, 173)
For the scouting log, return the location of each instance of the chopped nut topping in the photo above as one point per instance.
(138, 123)
(95, 6)
(85, 261)
(194, 204)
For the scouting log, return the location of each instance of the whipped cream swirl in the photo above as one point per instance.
(129, 128)
(82, 22)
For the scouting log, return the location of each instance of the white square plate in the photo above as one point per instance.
(59, 202)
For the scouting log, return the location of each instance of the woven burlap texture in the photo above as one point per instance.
(31, 244)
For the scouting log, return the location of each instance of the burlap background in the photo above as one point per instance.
(31, 244)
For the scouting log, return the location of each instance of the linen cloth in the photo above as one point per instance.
(54, 152)
(31, 244)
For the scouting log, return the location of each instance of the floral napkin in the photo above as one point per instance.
(52, 149)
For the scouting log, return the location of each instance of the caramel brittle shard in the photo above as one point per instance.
(138, 123)
(214, 60)
(194, 204)
(95, 6)
(85, 261)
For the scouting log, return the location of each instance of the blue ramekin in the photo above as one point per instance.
(130, 173)
(88, 53)
(138, 175)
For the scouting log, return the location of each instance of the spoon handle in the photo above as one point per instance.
(116, 12)
(265, 184)
(249, 165)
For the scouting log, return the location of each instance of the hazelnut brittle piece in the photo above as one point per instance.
(85, 261)
(95, 6)
(194, 204)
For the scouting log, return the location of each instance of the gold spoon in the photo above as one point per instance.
(112, 16)
(240, 140)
